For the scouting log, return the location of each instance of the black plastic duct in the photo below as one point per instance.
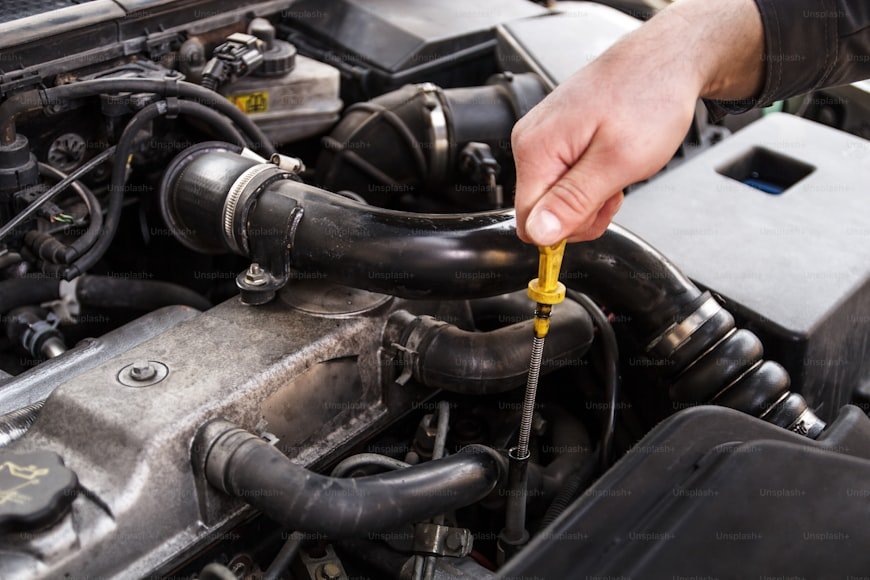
(410, 141)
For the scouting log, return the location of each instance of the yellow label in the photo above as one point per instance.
(252, 102)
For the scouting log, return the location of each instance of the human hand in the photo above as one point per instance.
(621, 118)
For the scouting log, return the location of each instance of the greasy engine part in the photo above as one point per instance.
(314, 385)
(410, 142)
(281, 224)
(382, 392)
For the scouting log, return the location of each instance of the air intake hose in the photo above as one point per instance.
(410, 141)
(709, 360)
(281, 224)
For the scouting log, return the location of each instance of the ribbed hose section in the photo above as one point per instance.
(720, 364)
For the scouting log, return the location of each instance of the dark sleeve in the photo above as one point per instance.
(809, 44)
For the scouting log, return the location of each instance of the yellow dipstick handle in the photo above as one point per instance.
(546, 289)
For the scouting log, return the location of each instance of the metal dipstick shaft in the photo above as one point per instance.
(545, 290)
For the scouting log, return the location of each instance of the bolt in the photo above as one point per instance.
(330, 571)
(142, 370)
(238, 569)
(255, 276)
(454, 540)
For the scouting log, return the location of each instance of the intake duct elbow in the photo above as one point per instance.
(254, 209)
(711, 361)
(411, 141)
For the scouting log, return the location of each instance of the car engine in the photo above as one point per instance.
(265, 314)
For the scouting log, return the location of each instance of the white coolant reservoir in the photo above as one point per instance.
(290, 96)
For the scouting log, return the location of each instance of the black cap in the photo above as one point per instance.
(36, 489)
(279, 56)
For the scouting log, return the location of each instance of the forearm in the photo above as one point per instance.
(716, 47)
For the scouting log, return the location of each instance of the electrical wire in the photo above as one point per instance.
(611, 371)
(94, 209)
(54, 191)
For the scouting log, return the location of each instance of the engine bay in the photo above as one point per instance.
(265, 313)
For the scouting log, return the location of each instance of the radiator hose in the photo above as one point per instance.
(245, 466)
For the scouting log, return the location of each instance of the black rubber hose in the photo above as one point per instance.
(443, 356)
(611, 374)
(466, 255)
(576, 482)
(245, 466)
(147, 295)
(721, 364)
(178, 164)
(217, 122)
(257, 140)
(476, 255)
(100, 291)
(27, 292)
(54, 191)
(46, 246)
(123, 150)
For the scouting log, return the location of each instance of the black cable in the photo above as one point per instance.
(95, 212)
(611, 371)
(285, 557)
(217, 121)
(575, 483)
(257, 139)
(54, 191)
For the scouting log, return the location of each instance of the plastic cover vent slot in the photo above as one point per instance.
(766, 170)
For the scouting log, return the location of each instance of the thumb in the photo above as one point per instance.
(570, 206)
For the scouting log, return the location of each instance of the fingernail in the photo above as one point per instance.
(544, 227)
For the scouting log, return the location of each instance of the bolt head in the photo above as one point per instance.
(255, 276)
(330, 571)
(142, 371)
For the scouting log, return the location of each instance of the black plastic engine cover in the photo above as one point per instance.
(382, 44)
(793, 267)
(714, 493)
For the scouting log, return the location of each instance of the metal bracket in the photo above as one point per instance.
(437, 540)
(15, 81)
(407, 356)
(67, 307)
